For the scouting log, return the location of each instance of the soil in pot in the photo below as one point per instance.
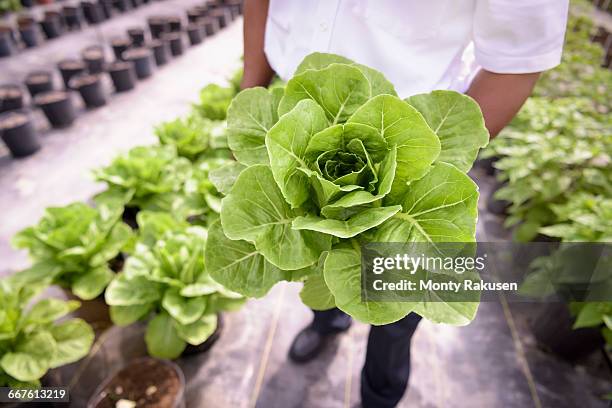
(29, 33)
(72, 17)
(70, 68)
(176, 43)
(148, 382)
(11, 98)
(93, 57)
(196, 13)
(57, 107)
(95, 311)
(143, 63)
(196, 33)
(211, 25)
(137, 35)
(161, 52)
(38, 82)
(19, 134)
(120, 45)
(158, 25)
(7, 46)
(175, 24)
(123, 75)
(201, 348)
(51, 26)
(91, 89)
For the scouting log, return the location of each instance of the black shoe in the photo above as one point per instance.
(309, 343)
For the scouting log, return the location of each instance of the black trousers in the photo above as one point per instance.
(385, 374)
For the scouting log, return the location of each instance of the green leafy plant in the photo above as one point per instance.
(552, 153)
(202, 199)
(9, 5)
(594, 314)
(74, 245)
(165, 279)
(31, 341)
(193, 136)
(214, 101)
(336, 160)
(147, 177)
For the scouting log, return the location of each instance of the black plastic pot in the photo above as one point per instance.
(136, 3)
(73, 17)
(158, 26)
(175, 24)
(161, 52)
(11, 98)
(18, 133)
(210, 24)
(57, 107)
(551, 324)
(93, 57)
(201, 348)
(93, 12)
(195, 32)
(29, 34)
(27, 3)
(7, 46)
(70, 68)
(51, 26)
(107, 8)
(123, 75)
(91, 89)
(196, 13)
(39, 82)
(120, 45)
(235, 7)
(122, 5)
(176, 43)
(142, 60)
(137, 36)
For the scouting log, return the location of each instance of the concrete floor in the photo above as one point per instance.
(492, 362)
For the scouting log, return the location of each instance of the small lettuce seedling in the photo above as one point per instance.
(31, 341)
(165, 279)
(74, 245)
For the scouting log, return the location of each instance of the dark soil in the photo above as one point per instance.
(12, 120)
(119, 65)
(9, 92)
(92, 53)
(149, 383)
(83, 80)
(136, 53)
(50, 97)
(121, 41)
(39, 78)
(71, 64)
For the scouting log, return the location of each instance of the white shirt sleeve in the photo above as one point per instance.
(519, 36)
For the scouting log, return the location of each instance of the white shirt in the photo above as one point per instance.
(420, 45)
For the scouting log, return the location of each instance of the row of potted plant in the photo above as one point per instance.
(57, 21)
(136, 58)
(136, 255)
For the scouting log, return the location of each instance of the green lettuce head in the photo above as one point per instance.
(336, 160)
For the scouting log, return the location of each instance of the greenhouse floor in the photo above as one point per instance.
(491, 362)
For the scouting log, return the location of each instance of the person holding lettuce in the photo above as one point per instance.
(491, 50)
